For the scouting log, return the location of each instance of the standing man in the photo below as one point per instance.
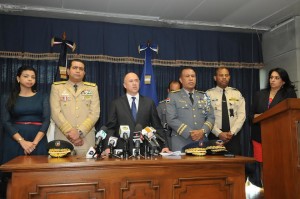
(75, 108)
(229, 122)
(189, 112)
(162, 110)
(122, 108)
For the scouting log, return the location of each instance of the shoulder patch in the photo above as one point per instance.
(89, 84)
(60, 82)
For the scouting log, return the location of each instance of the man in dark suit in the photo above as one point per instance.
(121, 113)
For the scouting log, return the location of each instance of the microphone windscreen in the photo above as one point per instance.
(103, 128)
(138, 127)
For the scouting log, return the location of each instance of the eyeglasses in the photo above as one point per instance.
(275, 77)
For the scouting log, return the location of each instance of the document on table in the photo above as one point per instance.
(174, 153)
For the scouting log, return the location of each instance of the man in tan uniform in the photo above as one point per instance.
(234, 106)
(75, 108)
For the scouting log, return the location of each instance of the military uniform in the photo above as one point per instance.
(236, 112)
(183, 116)
(80, 110)
(162, 114)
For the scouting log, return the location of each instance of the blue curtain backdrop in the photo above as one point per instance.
(110, 51)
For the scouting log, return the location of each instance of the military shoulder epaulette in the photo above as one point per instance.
(60, 82)
(175, 91)
(89, 84)
(211, 89)
(165, 101)
(162, 101)
(200, 92)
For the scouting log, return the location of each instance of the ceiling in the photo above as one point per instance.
(223, 15)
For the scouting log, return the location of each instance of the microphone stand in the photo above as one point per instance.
(125, 152)
(111, 154)
(137, 153)
(98, 151)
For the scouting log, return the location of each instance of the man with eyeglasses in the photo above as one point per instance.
(75, 108)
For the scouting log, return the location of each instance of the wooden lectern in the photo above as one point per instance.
(280, 129)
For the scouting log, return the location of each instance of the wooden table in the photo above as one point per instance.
(74, 177)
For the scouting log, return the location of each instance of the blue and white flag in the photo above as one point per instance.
(148, 84)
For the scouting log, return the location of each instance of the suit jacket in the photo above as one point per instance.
(120, 114)
(260, 105)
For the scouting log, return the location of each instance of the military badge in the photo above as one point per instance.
(65, 96)
(87, 94)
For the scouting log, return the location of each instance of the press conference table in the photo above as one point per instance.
(75, 177)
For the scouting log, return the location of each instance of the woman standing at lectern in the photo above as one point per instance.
(279, 88)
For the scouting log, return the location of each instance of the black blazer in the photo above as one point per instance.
(120, 114)
(260, 105)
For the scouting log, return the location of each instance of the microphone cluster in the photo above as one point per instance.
(141, 137)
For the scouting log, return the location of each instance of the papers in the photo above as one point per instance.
(174, 153)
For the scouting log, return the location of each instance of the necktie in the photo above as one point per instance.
(75, 87)
(191, 98)
(133, 108)
(225, 117)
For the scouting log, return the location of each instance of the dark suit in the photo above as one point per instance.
(120, 114)
(260, 105)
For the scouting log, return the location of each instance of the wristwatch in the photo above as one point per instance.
(20, 139)
(204, 131)
(81, 135)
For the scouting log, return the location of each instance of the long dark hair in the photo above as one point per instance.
(284, 76)
(16, 88)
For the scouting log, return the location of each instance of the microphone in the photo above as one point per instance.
(148, 131)
(124, 131)
(101, 135)
(112, 141)
(158, 136)
(96, 150)
(137, 140)
(150, 142)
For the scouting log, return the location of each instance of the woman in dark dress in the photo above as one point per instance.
(25, 117)
(279, 88)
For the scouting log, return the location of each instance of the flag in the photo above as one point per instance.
(61, 71)
(148, 84)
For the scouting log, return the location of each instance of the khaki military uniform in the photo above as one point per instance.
(183, 116)
(236, 112)
(235, 105)
(80, 110)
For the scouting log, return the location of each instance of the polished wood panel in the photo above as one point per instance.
(280, 142)
(182, 177)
